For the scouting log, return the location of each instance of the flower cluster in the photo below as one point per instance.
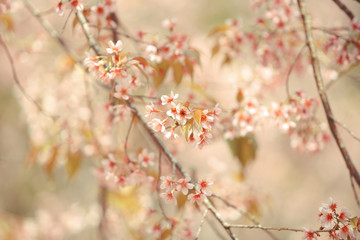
(344, 45)
(339, 223)
(272, 45)
(73, 5)
(195, 122)
(183, 185)
(127, 172)
(295, 117)
(116, 66)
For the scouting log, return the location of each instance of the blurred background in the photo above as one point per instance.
(291, 185)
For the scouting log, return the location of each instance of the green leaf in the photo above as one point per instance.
(244, 149)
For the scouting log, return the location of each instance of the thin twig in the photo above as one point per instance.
(290, 70)
(274, 228)
(321, 90)
(344, 8)
(347, 129)
(354, 190)
(103, 204)
(127, 138)
(158, 191)
(18, 83)
(244, 213)
(201, 224)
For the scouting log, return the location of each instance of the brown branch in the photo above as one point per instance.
(244, 213)
(103, 205)
(321, 90)
(290, 70)
(275, 228)
(18, 83)
(344, 8)
(156, 140)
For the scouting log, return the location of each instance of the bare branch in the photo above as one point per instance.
(344, 8)
(290, 70)
(18, 83)
(321, 90)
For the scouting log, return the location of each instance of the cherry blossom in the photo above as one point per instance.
(184, 185)
(169, 99)
(309, 235)
(197, 197)
(146, 158)
(203, 187)
(114, 48)
(169, 197)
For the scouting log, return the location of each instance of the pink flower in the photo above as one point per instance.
(344, 232)
(167, 183)
(206, 119)
(121, 92)
(184, 185)
(146, 158)
(59, 9)
(169, 197)
(183, 114)
(203, 186)
(172, 112)
(204, 138)
(344, 215)
(171, 134)
(309, 235)
(157, 125)
(327, 218)
(150, 109)
(76, 5)
(196, 197)
(114, 48)
(168, 99)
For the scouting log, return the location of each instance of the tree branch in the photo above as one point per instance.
(321, 90)
(344, 8)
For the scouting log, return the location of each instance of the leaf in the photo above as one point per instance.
(197, 112)
(189, 66)
(215, 49)
(227, 60)
(73, 162)
(187, 128)
(33, 154)
(244, 149)
(181, 200)
(218, 29)
(7, 20)
(166, 234)
(200, 90)
(50, 164)
(141, 60)
(178, 71)
(126, 200)
(160, 72)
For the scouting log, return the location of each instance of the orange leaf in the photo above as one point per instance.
(141, 60)
(197, 115)
(218, 29)
(215, 49)
(73, 162)
(189, 66)
(178, 71)
(50, 164)
(160, 72)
